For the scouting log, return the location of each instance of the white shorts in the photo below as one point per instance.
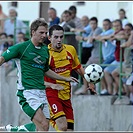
(33, 99)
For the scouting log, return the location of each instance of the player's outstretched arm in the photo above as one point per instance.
(2, 60)
(54, 86)
(54, 75)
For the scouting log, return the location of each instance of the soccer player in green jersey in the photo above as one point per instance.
(32, 59)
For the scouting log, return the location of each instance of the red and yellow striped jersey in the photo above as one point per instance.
(62, 62)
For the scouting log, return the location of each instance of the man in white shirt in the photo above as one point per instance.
(9, 25)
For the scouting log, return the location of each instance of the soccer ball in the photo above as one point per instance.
(93, 73)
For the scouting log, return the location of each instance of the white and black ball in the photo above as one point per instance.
(93, 73)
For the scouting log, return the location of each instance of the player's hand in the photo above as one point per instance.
(91, 87)
(72, 79)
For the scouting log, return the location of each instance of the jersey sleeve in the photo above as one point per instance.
(76, 62)
(11, 53)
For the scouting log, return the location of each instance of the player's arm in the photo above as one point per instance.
(87, 85)
(53, 75)
(2, 60)
(53, 86)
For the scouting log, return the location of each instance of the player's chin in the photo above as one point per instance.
(59, 46)
(41, 41)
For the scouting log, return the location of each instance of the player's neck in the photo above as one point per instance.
(56, 49)
(35, 43)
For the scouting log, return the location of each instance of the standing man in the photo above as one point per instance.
(32, 58)
(63, 59)
(76, 20)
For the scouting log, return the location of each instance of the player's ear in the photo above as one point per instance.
(32, 32)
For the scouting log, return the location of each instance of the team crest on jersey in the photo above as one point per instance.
(38, 60)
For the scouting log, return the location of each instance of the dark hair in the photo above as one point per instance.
(55, 27)
(129, 25)
(26, 39)
(94, 19)
(36, 23)
(67, 12)
(51, 8)
(21, 33)
(11, 36)
(108, 20)
(3, 34)
(118, 20)
(122, 10)
(73, 8)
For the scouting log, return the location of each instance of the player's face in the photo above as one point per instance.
(57, 39)
(40, 34)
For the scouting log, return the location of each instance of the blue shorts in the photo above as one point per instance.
(108, 60)
(114, 64)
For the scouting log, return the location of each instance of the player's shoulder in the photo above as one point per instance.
(45, 46)
(70, 47)
(23, 44)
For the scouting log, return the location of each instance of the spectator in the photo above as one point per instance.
(108, 50)
(9, 24)
(3, 42)
(117, 25)
(122, 17)
(86, 47)
(53, 19)
(3, 16)
(67, 26)
(91, 39)
(10, 41)
(95, 51)
(127, 59)
(76, 20)
(129, 81)
(20, 37)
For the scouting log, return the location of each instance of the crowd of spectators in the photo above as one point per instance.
(113, 35)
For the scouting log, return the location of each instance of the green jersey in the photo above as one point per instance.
(32, 63)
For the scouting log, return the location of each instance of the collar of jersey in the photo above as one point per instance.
(36, 47)
(52, 49)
